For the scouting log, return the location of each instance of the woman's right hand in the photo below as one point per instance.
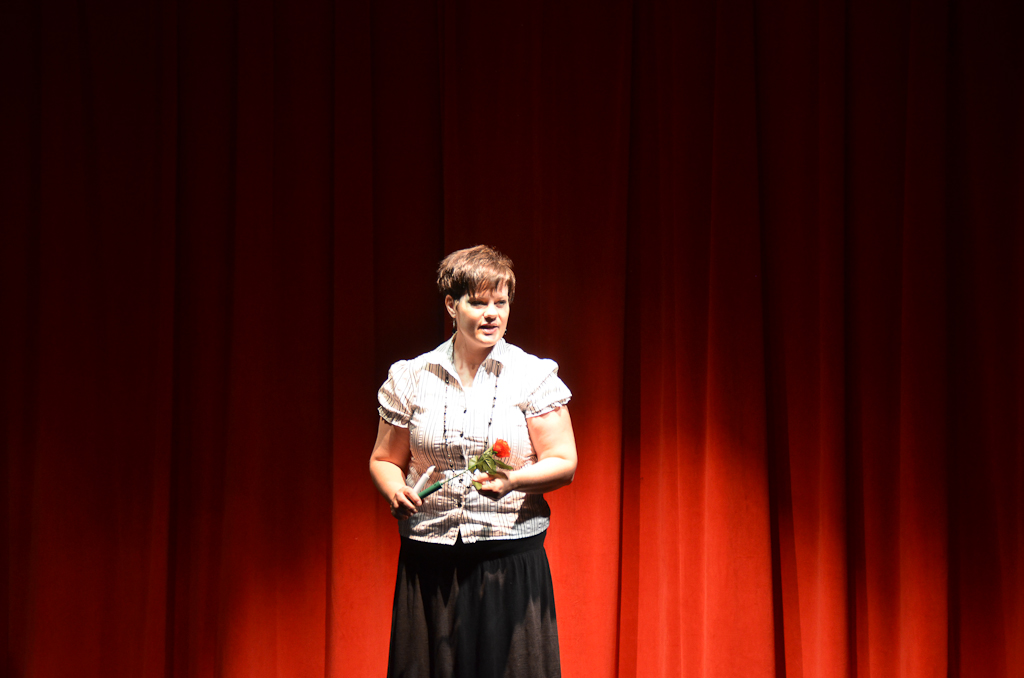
(404, 503)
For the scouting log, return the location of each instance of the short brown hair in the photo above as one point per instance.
(475, 269)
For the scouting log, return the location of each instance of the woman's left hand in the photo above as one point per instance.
(494, 487)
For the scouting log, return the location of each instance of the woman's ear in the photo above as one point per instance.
(449, 303)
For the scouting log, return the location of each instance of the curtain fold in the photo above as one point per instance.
(802, 119)
(775, 247)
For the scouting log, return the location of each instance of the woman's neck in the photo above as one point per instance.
(468, 361)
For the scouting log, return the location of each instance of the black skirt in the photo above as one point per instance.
(482, 610)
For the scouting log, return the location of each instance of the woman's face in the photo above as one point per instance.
(482, 317)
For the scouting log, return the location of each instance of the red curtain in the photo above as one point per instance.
(777, 249)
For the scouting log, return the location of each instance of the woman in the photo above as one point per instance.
(473, 597)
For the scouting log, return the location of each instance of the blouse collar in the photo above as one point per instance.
(444, 355)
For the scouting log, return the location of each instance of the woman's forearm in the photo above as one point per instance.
(546, 475)
(387, 477)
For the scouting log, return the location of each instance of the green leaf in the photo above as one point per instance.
(503, 465)
(477, 484)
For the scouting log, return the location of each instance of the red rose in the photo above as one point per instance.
(501, 449)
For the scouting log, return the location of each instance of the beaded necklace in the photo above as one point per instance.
(444, 420)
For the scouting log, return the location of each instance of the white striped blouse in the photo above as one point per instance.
(449, 423)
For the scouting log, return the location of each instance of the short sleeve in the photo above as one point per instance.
(551, 392)
(396, 395)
